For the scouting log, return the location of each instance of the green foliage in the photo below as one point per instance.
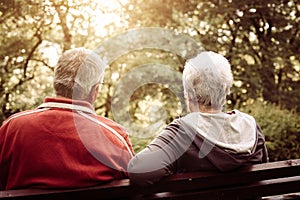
(281, 129)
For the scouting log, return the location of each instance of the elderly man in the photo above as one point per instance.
(63, 143)
(207, 138)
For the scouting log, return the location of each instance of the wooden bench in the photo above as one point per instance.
(251, 182)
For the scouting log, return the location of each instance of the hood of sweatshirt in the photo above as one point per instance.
(234, 132)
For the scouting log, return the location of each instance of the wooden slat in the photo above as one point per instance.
(246, 191)
(248, 174)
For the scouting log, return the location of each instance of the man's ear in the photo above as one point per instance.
(91, 98)
(95, 92)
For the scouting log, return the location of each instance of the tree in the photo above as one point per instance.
(34, 33)
(23, 25)
(260, 38)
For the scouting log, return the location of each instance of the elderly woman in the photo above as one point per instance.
(207, 138)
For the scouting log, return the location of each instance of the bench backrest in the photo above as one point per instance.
(251, 181)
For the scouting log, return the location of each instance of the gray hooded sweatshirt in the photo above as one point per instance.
(200, 142)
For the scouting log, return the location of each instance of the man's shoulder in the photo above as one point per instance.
(113, 124)
(23, 115)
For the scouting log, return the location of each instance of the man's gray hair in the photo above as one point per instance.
(207, 79)
(78, 70)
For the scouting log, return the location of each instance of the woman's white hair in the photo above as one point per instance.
(78, 70)
(207, 79)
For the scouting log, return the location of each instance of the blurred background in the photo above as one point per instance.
(261, 40)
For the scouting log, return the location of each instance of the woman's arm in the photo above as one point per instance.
(158, 159)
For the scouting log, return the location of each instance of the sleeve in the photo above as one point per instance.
(127, 139)
(262, 142)
(265, 157)
(4, 155)
(159, 158)
(122, 131)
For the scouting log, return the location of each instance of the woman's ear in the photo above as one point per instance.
(191, 104)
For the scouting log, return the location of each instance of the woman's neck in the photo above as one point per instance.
(203, 109)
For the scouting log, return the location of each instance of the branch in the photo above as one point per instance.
(44, 63)
(32, 52)
(65, 28)
(21, 81)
